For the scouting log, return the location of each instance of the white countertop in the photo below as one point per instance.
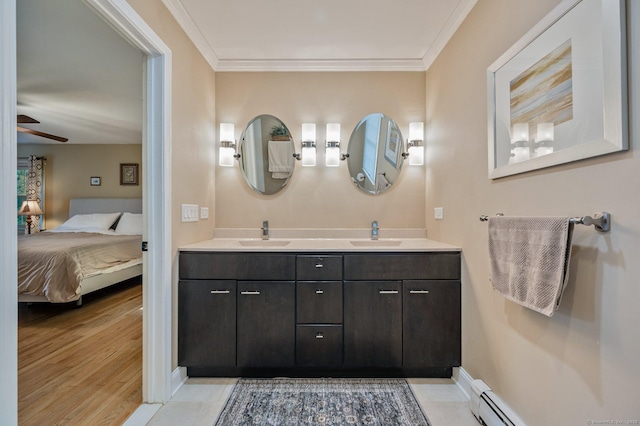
(319, 245)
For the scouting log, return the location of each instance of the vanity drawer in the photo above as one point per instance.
(237, 266)
(319, 302)
(402, 266)
(319, 268)
(319, 346)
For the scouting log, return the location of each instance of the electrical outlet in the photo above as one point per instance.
(204, 212)
(189, 212)
(438, 213)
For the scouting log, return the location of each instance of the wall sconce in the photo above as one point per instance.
(332, 148)
(415, 145)
(30, 208)
(308, 155)
(544, 139)
(520, 143)
(227, 151)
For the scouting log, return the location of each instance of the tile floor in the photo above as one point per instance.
(200, 400)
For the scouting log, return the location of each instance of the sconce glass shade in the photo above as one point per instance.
(332, 154)
(308, 154)
(227, 132)
(416, 143)
(226, 155)
(544, 132)
(520, 133)
(416, 131)
(416, 155)
(309, 132)
(333, 132)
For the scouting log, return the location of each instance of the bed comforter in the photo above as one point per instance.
(54, 264)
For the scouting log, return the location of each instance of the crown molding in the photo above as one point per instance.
(193, 32)
(292, 65)
(448, 30)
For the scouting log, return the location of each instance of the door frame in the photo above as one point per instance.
(156, 196)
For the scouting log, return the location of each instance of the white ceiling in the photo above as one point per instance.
(83, 81)
(287, 35)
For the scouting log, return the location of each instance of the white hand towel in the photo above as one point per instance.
(280, 159)
(529, 259)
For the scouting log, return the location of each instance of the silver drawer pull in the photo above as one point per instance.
(251, 293)
(419, 291)
(319, 292)
(319, 336)
(388, 291)
(319, 265)
(220, 291)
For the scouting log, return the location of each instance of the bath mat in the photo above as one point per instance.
(322, 402)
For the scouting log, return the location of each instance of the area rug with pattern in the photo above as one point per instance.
(322, 402)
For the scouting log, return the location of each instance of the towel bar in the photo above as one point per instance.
(600, 220)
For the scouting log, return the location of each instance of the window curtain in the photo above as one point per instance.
(35, 187)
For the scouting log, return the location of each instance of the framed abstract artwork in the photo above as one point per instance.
(560, 93)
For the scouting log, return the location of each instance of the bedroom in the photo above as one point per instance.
(62, 83)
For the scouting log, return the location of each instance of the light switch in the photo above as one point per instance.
(438, 213)
(189, 212)
(204, 212)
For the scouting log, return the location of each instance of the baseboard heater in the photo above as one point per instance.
(489, 409)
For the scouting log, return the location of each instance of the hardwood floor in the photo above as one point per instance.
(81, 366)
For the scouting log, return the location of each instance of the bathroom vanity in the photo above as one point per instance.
(319, 308)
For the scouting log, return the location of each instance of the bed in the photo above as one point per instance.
(75, 259)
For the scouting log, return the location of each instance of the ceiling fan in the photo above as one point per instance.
(24, 119)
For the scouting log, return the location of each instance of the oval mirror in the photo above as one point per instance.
(266, 154)
(375, 153)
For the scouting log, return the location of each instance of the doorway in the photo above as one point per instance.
(156, 196)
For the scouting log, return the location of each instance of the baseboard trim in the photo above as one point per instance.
(463, 380)
(178, 377)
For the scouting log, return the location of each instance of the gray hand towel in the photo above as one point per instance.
(529, 259)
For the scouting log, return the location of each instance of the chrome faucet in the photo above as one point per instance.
(374, 230)
(265, 230)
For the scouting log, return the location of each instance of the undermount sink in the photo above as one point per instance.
(376, 243)
(263, 243)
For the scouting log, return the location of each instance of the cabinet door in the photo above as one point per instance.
(266, 323)
(372, 324)
(431, 324)
(207, 323)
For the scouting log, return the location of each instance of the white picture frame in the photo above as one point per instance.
(584, 101)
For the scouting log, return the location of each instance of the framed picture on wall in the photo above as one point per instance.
(560, 93)
(96, 181)
(128, 174)
(391, 148)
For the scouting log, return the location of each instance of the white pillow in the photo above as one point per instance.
(88, 222)
(130, 224)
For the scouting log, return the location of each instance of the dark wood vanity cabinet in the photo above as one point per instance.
(310, 314)
(373, 324)
(207, 323)
(266, 324)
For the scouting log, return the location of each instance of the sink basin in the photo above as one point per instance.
(376, 243)
(263, 243)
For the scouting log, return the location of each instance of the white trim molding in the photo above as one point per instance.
(156, 300)
(218, 64)
(178, 378)
(463, 380)
(8, 236)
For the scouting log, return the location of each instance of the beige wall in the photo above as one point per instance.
(192, 133)
(320, 197)
(581, 364)
(70, 167)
